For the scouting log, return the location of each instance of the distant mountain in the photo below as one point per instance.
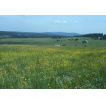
(53, 33)
(16, 34)
(62, 33)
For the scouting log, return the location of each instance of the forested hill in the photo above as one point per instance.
(9, 34)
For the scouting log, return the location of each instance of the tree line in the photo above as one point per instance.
(45, 35)
(95, 35)
(29, 35)
(23, 35)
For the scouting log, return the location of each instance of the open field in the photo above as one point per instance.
(52, 42)
(48, 67)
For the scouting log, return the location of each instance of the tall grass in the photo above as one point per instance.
(32, 67)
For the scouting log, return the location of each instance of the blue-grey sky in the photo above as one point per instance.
(54, 23)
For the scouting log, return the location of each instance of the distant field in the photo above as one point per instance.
(52, 42)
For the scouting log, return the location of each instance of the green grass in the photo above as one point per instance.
(52, 42)
(48, 67)
(36, 63)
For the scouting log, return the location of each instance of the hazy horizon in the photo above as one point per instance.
(81, 24)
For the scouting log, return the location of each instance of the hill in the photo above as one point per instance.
(10, 34)
(63, 33)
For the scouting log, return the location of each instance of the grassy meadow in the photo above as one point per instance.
(45, 66)
(52, 42)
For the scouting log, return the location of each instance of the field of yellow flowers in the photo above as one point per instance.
(38, 67)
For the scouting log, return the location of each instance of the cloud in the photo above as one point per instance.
(64, 22)
(60, 21)
(57, 21)
(75, 21)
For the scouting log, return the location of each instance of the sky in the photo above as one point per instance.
(81, 24)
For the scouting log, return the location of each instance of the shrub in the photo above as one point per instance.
(95, 38)
(76, 39)
(83, 41)
(63, 45)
